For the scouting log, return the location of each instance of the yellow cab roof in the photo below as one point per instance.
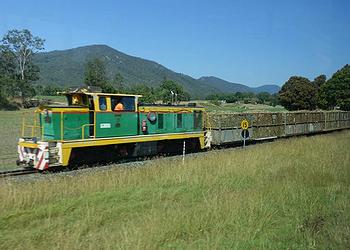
(97, 94)
(109, 94)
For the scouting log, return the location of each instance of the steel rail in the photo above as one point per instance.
(17, 172)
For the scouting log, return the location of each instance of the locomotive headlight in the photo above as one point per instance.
(152, 117)
(144, 126)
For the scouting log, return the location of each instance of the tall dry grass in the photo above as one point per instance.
(288, 194)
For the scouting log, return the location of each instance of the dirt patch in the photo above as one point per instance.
(313, 224)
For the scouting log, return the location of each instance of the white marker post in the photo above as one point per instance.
(183, 153)
(244, 136)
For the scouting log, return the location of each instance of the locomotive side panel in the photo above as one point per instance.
(114, 124)
(63, 125)
(169, 119)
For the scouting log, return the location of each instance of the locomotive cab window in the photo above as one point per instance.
(102, 103)
(77, 100)
(123, 103)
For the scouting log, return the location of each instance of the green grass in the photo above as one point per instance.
(10, 131)
(290, 194)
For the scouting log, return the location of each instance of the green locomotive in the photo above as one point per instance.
(99, 126)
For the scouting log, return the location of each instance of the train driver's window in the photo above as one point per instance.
(102, 103)
(123, 103)
(117, 104)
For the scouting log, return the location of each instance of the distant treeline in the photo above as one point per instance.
(299, 93)
(245, 97)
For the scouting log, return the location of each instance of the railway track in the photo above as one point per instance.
(129, 163)
(17, 172)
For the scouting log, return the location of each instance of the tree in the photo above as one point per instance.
(7, 73)
(239, 96)
(51, 90)
(17, 70)
(298, 93)
(8, 76)
(168, 87)
(230, 98)
(32, 72)
(249, 97)
(39, 89)
(95, 73)
(7, 63)
(319, 81)
(274, 100)
(23, 45)
(263, 97)
(108, 88)
(336, 91)
(148, 94)
(118, 83)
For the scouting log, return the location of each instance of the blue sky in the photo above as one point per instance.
(249, 42)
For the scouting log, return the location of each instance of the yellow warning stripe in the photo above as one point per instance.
(129, 139)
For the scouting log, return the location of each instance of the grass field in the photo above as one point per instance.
(289, 194)
(10, 131)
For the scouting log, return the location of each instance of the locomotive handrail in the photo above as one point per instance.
(83, 129)
(33, 127)
(62, 125)
(33, 133)
(68, 128)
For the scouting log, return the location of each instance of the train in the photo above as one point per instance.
(95, 126)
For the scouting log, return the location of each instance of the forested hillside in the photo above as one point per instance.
(66, 68)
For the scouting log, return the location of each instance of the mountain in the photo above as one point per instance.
(66, 68)
(267, 88)
(224, 86)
